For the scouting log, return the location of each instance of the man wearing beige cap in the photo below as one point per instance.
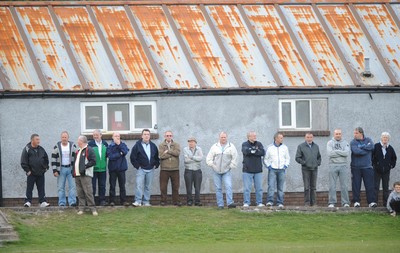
(193, 175)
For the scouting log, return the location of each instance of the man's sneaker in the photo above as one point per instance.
(44, 204)
(136, 204)
(261, 205)
(95, 213)
(269, 204)
(80, 212)
(232, 205)
(27, 204)
(393, 213)
(346, 205)
(280, 206)
(73, 205)
(126, 203)
(357, 204)
(147, 204)
(373, 204)
(245, 205)
(331, 205)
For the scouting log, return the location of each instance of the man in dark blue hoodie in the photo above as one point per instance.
(361, 167)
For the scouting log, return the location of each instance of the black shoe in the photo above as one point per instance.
(103, 203)
(198, 204)
(73, 205)
(233, 205)
(190, 203)
(112, 204)
(220, 207)
(126, 203)
(162, 203)
(178, 204)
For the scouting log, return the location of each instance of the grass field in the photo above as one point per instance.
(204, 229)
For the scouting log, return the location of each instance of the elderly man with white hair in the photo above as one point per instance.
(383, 159)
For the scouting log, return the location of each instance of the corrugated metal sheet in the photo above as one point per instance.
(48, 48)
(126, 47)
(316, 44)
(241, 46)
(279, 46)
(165, 47)
(137, 46)
(15, 61)
(354, 44)
(385, 33)
(89, 51)
(203, 46)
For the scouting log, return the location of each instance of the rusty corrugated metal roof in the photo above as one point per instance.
(146, 45)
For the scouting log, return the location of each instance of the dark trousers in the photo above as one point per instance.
(367, 175)
(165, 175)
(395, 205)
(100, 179)
(30, 183)
(310, 186)
(385, 186)
(120, 175)
(193, 177)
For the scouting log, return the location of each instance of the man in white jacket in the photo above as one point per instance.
(222, 157)
(277, 160)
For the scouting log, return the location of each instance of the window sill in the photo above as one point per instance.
(295, 133)
(129, 136)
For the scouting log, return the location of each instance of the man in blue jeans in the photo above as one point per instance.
(63, 157)
(361, 167)
(144, 157)
(277, 160)
(253, 151)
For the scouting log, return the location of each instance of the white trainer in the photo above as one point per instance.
(269, 204)
(80, 212)
(95, 213)
(136, 204)
(280, 206)
(27, 204)
(373, 204)
(245, 205)
(44, 204)
(147, 204)
(346, 205)
(331, 205)
(260, 205)
(357, 204)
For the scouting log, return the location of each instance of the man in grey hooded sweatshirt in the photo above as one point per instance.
(338, 150)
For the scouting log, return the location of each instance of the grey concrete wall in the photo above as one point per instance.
(200, 116)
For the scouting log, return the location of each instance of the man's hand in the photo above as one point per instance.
(166, 151)
(28, 173)
(55, 174)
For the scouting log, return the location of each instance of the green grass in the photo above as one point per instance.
(203, 230)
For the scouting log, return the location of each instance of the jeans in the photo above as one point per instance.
(30, 183)
(248, 179)
(385, 186)
(66, 175)
(144, 178)
(226, 178)
(276, 177)
(310, 186)
(85, 192)
(165, 175)
(120, 175)
(335, 172)
(100, 178)
(193, 177)
(367, 175)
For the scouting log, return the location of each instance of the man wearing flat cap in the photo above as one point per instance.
(193, 175)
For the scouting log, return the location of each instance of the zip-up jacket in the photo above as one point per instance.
(139, 157)
(169, 160)
(56, 156)
(222, 160)
(101, 163)
(277, 157)
(252, 156)
(383, 163)
(308, 157)
(193, 158)
(87, 159)
(34, 160)
(117, 157)
(361, 153)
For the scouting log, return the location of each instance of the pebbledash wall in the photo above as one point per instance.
(200, 116)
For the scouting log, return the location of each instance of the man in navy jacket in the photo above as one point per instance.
(144, 157)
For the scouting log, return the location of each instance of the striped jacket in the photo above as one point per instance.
(56, 156)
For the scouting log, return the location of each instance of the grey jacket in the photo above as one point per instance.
(338, 151)
(192, 158)
(309, 158)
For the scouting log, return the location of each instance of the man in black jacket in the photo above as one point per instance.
(383, 159)
(144, 157)
(35, 162)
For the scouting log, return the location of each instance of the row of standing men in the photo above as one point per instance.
(369, 162)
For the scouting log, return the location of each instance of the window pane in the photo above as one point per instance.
(319, 114)
(118, 117)
(286, 114)
(94, 117)
(303, 114)
(143, 116)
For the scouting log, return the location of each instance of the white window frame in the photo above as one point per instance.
(132, 105)
(294, 116)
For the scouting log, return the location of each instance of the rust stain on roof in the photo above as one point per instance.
(14, 55)
(126, 46)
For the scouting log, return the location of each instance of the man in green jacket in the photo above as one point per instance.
(100, 169)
